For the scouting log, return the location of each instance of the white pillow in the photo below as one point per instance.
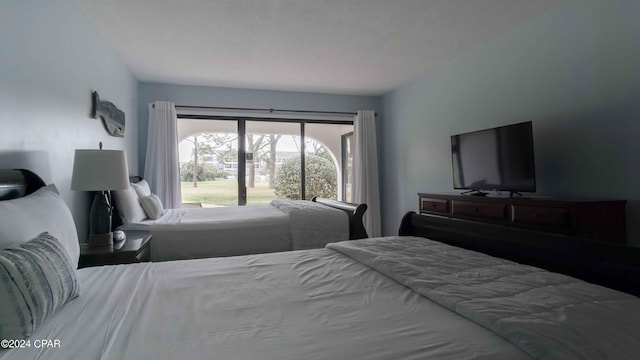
(141, 188)
(22, 219)
(152, 205)
(128, 206)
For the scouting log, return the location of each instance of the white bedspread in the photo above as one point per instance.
(547, 315)
(313, 225)
(314, 304)
(210, 232)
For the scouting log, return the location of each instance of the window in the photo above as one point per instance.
(238, 161)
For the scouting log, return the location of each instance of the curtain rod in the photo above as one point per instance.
(271, 110)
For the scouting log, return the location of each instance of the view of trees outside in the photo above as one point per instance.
(210, 176)
(204, 145)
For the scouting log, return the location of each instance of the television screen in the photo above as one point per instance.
(495, 159)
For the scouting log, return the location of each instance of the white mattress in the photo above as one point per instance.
(314, 304)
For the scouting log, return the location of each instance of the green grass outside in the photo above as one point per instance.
(225, 193)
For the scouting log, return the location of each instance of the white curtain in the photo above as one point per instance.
(365, 170)
(161, 169)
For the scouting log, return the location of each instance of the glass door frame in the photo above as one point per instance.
(242, 169)
(346, 142)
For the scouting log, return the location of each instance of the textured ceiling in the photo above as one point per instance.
(361, 47)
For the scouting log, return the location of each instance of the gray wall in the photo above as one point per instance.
(51, 58)
(227, 97)
(574, 72)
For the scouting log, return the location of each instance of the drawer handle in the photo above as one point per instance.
(476, 210)
(433, 205)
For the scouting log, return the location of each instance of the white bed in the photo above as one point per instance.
(192, 233)
(282, 225)
(384, 298)
(315, 304)
(323, 304)
(213, 232)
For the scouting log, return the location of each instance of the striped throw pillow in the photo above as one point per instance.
(152, 206)
(36, 279)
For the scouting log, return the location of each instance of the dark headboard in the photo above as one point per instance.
(615, 266)
(17, 183)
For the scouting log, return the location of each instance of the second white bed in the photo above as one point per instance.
(215, 232)
(283, 225)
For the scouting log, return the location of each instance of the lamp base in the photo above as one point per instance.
(100, 221)
(100, 239)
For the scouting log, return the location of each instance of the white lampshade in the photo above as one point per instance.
(98, 170)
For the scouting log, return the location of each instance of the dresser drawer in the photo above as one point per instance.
(596, 219)
(434, 205)
(479, 210)
(541, 215)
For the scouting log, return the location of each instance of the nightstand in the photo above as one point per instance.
(136, 248)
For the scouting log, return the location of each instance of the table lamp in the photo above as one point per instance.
(100, 171)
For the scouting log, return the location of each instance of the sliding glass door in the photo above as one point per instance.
(238, 161)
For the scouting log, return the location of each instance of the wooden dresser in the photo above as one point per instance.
(593, 219)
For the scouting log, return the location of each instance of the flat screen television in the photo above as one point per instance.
(499, 159)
